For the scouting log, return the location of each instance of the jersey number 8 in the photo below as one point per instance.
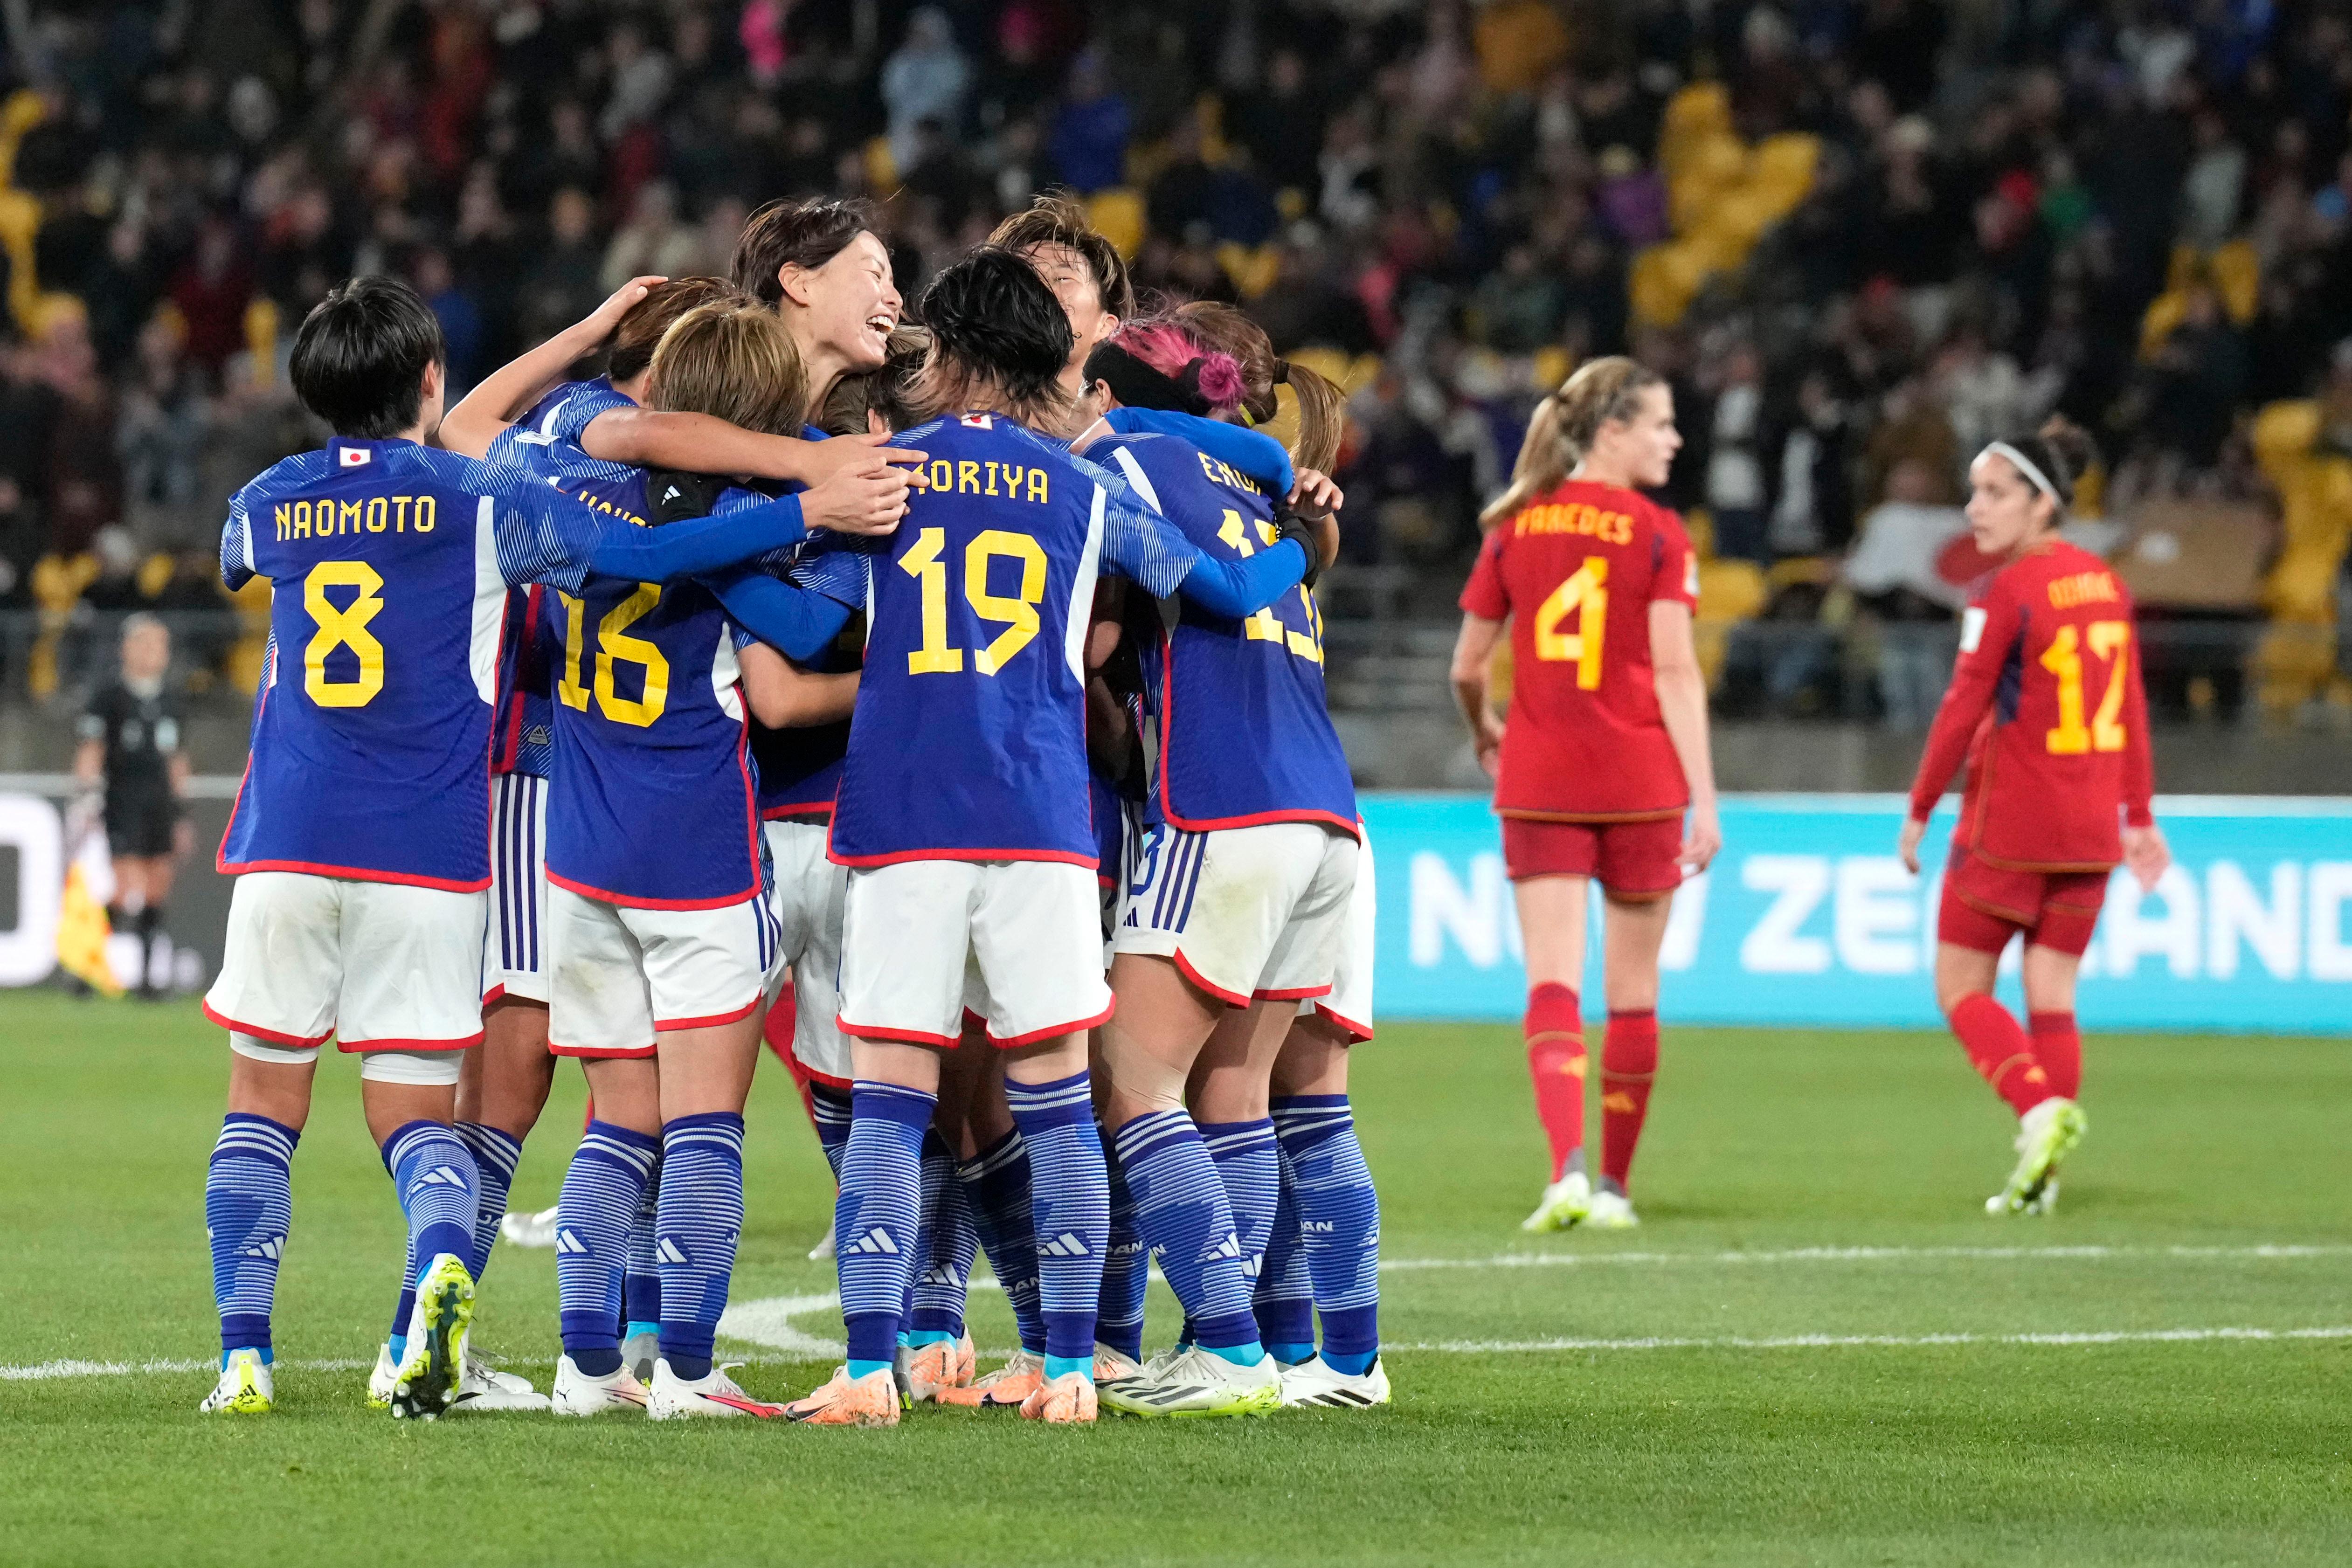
(1017, 612)
(1586, 597)
(344, 627)
(616, 646)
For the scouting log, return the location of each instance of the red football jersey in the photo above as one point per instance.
(2046, 702)
(1575, 574)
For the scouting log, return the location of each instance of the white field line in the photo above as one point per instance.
(1867, 1340)
(41, 1371)
(1857, 1255)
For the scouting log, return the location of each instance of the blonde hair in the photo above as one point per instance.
(1561, 429)
(735, 361)
(1322, 405)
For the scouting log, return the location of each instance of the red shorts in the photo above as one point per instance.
(1985, 905)
(1633, 859)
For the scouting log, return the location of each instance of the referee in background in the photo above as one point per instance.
(131, 750)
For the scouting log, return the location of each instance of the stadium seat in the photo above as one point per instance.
(1117, 215)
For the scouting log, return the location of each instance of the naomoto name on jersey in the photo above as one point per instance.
(1576, 518)
(1005, 481)
(371, 515)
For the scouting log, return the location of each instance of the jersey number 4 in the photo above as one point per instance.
(1586, 597)
(616, 646)
(2064, 659)
(1017, 612)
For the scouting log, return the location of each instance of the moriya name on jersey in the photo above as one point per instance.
(1246, 732)
(390, 564)
(651, 802)
(969, 737)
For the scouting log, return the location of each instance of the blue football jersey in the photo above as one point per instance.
(1246, 732)
(651, 803)
(371, 744)
(969, 737)
(522, 726)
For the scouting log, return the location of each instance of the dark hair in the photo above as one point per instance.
(1322, 404)
(884, 390)
(360, 357)
(793, 234)
(995, 327)
(648, 319)
(1059, 218)
(2064, 451)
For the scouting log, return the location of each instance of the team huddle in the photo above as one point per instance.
(967, 674)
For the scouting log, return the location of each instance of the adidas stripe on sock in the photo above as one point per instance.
(1069, 1198)
(996, 1182)
(698, 1223)
(602, 1191)
(829, 1114)
(1339, 1220)
(1249, 1163)
(945, 1251)
(877, 1214)
(1182, 1209)
(248, 1211)
(439, 1191)
(495, 1153)
(1126, 1266)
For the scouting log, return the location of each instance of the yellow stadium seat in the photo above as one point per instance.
(2237, 272)
(2283, 432)
(881, 168)
(1117, 215)
(1785, 165)
(1252, 271)
(1549, 367)
(2164, 313)
(1730, 590)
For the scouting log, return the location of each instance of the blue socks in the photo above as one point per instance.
(876, 1218)
(1127, 1267)
(996, 1186)
(248, 1209)
(602, 1191)
(699, 1220)
(439, 1191)
(944, 1252)
(641, 1281)
(829, 1110)
(1069, 1196)
(496, 1152)
(1249, 1163)
(1182, 1211)
(1339, 1219)
(1286, 1301)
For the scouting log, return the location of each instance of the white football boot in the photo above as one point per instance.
(639, 1351)
(482, 1387)
(243, 1388)
(1111, 1364)
(1312, 1384)
(536, 1231)
(1198, 1383)
(577, 1393)
(380, 1381)
(1565, 1203)
(431, 1367)
(822, 1249)
(1611, 1211)
(674, 1398)
(2045, 1135)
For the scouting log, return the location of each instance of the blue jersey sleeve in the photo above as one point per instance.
(237, 545)
(544, 536)
(842, 572)
(795, 621)
(570, 419)
(1146, 547)
(1256, 453)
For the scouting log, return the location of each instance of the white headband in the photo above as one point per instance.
(2024, 466)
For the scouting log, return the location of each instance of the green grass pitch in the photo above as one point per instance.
(1806, 1355)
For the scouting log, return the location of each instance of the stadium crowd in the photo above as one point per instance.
(1858, 234)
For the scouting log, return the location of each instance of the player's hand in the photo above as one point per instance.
(1315, 495)
(1488, 745)
(1906, 844)
(868, 499)
(823, 459)
(1702, 839)
(602, 321)
(2147, 855)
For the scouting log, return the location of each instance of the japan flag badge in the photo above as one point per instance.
(354, 457)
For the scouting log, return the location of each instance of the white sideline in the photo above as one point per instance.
(1845, 1341)
(1855, 1255)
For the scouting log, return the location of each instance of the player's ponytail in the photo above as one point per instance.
(1562, 427)
(733, 361)
(1322, 405)
(999, 340)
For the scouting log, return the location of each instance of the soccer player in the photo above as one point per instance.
(664, 946)
(2047, 707)
(130, 750)
(1237, 907)
(361, 835)
(1604, 750)
(962, 813)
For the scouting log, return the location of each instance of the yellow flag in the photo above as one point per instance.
(82, 931)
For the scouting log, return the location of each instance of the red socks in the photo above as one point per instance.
(2058, 1047)
(1555, 1032)
(1999, 1052)
(1629, 1061)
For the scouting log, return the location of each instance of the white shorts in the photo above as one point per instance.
(380, 964)
(809, 893)
(514, 955)
(622, 975)
(1248, 913)
(1018, 943)
(1349, 1005)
